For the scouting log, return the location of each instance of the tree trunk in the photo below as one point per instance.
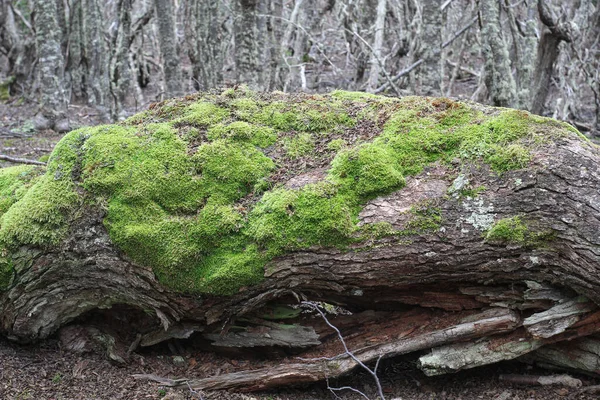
(547, 55)
(120, 73)
(95, 60)
(51, 66)
(248, 36)
(168, 47)
(377, 47)
(459, 260)
(18, 46)
(498, 74)
(206, 43)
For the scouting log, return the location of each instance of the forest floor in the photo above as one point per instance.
(44, 371)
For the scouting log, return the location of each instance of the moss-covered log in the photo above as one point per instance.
(218, 213)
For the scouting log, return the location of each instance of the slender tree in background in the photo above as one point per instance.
(94, 53)
(120, 74)
(429, 76)
(206, 42)
(553, 33)
(168, 47)
(498, 74)
(50, 67)
(247, 34)
(377, 45)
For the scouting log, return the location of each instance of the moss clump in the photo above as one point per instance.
(425, 217)
(317, 214)
(515, 231)
(14, 183)
(510, 230)
(298, 146)
(6, 271)
(40, 217)
(242, 131)
(202, 114)
(336, 144)
(368, 169)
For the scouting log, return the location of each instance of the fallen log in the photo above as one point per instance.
(418, 223)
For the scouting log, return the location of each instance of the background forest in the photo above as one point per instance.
(119, 55)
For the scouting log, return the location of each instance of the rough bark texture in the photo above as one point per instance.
(248, 36)
(51, 65)
(429, 50)
(553, 33)
(498, 74)
(168, 47)
(120, 74)
(459, 286)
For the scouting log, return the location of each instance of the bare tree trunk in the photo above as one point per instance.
(18, 46)
(429, 77)
(74, 68)
(51, 67)
(372, 82)
(95, 52)
(120, 73)
(498, 74)
(168, 47)
(247, 44)
(553, 33)
(206, 42)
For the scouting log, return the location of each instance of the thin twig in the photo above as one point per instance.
(17, 160)
(414, 65)
(348, 352)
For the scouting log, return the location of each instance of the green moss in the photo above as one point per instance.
(336, 144)
(317, 214)
(472, 192)
(315, 115)
(242, 131)
(14, 183)
(515, 231)
(202, 114)
(368, 169)
(155, 190)
(425, 217)
(354, 96)
(41, 216)
(298, 146)
(6, 271)
(507, 158)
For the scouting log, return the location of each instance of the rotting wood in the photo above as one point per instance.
(471, 325)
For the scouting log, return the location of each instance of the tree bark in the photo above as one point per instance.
(51, 67)
(377, 46)
(498, 74)
(248, 36)
(168, 47)
(451, 289)
(429, 74)
(120, 73)
(553, 33)
(94, 54)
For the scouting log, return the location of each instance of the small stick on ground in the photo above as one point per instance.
(17, 160)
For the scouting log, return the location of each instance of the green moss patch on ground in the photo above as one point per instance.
(194, 187)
